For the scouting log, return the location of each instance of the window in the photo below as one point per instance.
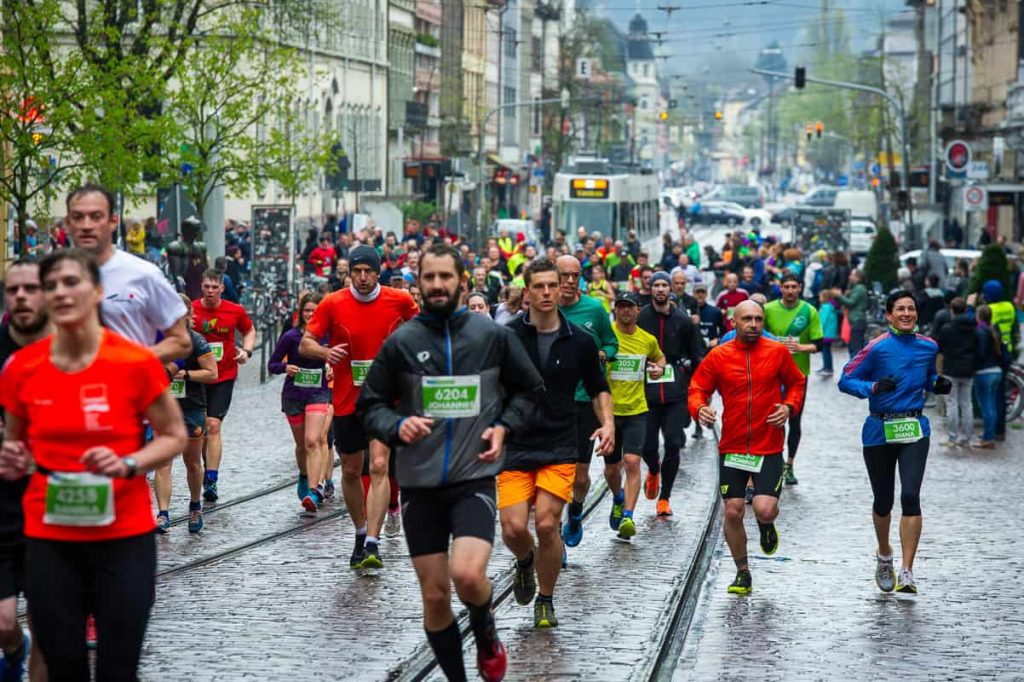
(535, 125)
(647, 70)
(538, 53)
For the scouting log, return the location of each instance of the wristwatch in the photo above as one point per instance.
(247, 352)
(131, 465)
(187, 377)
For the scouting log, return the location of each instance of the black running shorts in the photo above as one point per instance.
(12, 568)
(349, 435)
(218, 399)
(733, 482)
(433, 516)
(630, 435)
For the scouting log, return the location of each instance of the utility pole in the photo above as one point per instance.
(895, 103)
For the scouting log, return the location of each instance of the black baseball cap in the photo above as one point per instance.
(627, 297)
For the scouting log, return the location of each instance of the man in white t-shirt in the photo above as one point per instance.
(138, 301)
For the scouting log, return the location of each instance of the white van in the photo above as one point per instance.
(861, 203)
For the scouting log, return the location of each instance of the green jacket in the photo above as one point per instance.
(589, 314)
(857, 303)
(693, 253)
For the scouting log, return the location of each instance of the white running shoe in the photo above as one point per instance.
(885, 576)
(393, 524)
(906, 582)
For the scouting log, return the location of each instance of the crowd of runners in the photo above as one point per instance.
(474, 389)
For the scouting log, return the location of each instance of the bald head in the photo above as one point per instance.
(569, 273)
(748, 318)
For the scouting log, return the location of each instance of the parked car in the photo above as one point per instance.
(821, 196)
(862, 203)
(862, 235)
(951, 256)
(718, 213)
(747, 196)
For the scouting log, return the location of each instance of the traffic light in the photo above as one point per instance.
(718, 115)
(663, 115)
(801, 77)
(819, 129)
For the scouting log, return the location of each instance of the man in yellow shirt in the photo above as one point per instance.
(639, 357)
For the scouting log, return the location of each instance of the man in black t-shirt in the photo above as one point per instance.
(23, 298)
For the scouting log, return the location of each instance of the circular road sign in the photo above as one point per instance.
(975, 197)
(958, 156)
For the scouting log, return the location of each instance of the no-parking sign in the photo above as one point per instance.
(975, 198)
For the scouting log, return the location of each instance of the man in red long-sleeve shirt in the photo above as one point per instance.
(750, 372)
(730, 297)
(323, 257)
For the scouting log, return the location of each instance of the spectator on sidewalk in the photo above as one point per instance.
(988, 375)
(958, 344)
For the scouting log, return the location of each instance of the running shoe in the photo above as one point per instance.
(664, 508)
(329, 489)
(983, 444)
(627, 528)
(492, 661)
(12, 669)
(302, 487)
(90, 632)
(163, 523)
(356, 559)
(393, 524)
(906, 582)
(312, 501)
(525, 585)
(769, 538)
(748, 496)
(743, 584)
(371, 556)
(790, 477)
(195, 521)
(544, 615)
(651, 484)
(618, 502)
(572, 530)
(210, 490)
(885, 576)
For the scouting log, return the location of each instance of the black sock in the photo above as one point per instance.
(741, 564)
(447, 647)
(527, 562)
(481, 620)
(575, 508)
(546, 598)
(360, 540)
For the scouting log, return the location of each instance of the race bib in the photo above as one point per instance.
(628, 368)
(178, 388)
(79, 500)
(668, 377)
(751, 463)
(308, 378)
(360, 368)
(445, 397)
(218, 350)
(906, 430)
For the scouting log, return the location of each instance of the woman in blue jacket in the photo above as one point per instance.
(893, 372)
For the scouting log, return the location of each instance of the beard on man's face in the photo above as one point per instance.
(440, 309)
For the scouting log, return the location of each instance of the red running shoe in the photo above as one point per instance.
(492, 665)
(90, 632)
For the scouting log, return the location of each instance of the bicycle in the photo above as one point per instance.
(1014, 391)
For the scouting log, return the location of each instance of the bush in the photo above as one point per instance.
(882, 264)
(991, 265)
(419, 211)
(427, 39)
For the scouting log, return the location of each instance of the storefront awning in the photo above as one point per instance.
(496, 160)
(1004, 187)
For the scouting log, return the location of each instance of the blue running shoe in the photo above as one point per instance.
(329, 488)
(163, 523)
(210, 490)
(572, 530)
(195, 521)
(302, 487)
(618, 502)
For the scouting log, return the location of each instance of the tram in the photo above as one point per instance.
(606, 198)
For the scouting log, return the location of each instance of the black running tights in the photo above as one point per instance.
(112, 579)
(882, 461)
(669, 419)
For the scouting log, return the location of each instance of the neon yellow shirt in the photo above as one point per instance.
(627, 374)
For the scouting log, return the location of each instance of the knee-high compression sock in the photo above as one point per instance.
(669, 469)
(481, 620)
(447, 647)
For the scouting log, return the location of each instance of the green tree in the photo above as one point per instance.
(882, 263)
(991, 265)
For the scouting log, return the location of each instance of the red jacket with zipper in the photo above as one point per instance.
(751, 378)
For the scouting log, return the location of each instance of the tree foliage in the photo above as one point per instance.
(882, 263)
(991, 265)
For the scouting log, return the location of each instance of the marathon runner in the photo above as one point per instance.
(589, 315)
(730, 297)
(666, 396)
(540, 458)
(893, 372)
(796, 323)
(190, 377)
(306, 402)
(445, 390)
(23, 299)
(218, 321)
(639, 357)
(760, 386)
(356, 321)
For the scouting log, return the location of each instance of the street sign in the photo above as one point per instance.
(583, 71)
(975, 198)
(978, 170)
(843, 180)
(876, 169)
(957, 156)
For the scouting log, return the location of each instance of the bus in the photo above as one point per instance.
(605, 198)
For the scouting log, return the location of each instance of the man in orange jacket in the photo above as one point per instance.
(750, 372)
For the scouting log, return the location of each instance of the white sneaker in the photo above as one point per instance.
(393, 524)
(885, 577)
(906, 582)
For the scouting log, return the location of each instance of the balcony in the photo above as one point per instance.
(1015, 105)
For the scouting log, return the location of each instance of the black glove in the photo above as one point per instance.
(942, 386)
(884, 385)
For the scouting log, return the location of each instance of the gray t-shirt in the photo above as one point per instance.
(544, 343)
